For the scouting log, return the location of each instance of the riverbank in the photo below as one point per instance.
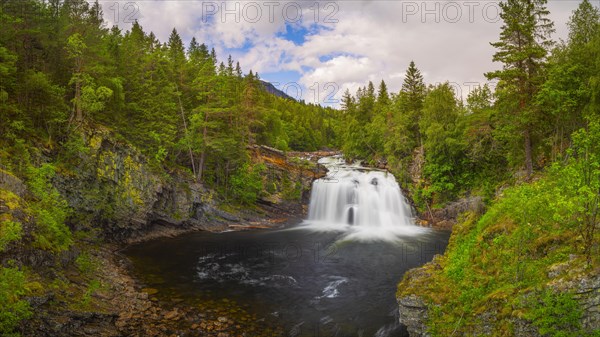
(62, 228)
(90, 290)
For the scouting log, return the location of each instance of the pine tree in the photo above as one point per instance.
(230, 70)
(566, 93)
(523, 46)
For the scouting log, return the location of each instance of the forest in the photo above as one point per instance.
(64, 72)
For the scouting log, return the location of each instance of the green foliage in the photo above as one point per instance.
(93, 286)
(578, 181)
(177, 105)
(523, 46)
(13, 308)
(85, 263)
(555, 314)
(291, 190)
(50, 210)
(74, 148)
(247, 183)
(9, 231)
(494, 262)
(442, 128)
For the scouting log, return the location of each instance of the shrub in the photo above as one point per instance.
(13, 309)
(247, 183)
(555, 314)
(50, 209)
(9, 231)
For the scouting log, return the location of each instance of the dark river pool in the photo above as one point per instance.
(310, 283)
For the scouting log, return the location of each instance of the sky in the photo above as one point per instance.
(315, 50)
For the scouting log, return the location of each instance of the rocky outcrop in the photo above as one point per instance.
(414, 309)
(288, 177)
(113, 186)
(586, 291)
(413, 314)
(587, 294)
(11, 183)
(447, 217)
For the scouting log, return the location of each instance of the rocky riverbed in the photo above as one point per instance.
(121, 306)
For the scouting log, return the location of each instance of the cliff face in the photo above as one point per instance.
(112, 186)
(288, 178)
(414, 309)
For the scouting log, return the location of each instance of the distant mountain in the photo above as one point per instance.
(270, 88)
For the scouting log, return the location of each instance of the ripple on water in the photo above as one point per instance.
(331, 289)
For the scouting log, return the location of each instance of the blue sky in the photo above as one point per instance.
(338, 44)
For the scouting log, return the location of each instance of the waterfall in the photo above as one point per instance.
(355, 198)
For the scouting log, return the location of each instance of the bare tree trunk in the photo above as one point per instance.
(528, 156)
(78, 112)
(186, 133)
(203, 154)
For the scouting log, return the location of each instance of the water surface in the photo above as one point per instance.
(313, 283)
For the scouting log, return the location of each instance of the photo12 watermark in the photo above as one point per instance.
(450, 11)
(121, 12)
(254, 12)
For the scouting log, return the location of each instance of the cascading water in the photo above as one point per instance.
(367, 202)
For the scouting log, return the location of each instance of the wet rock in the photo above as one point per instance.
(150, 291)
(172, 315)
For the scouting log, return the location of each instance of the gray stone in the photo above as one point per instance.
(12, 183)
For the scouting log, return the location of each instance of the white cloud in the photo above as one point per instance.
(371, 40)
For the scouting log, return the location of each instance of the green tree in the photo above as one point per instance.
(76, 48)
(567, 93)
(522, 49)
(403, 134)
(584, 24)
(412, 96)
(442, 127)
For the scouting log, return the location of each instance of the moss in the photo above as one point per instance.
(86, 264)
(132, 170)
(495, 262)
(107, 166)
(95, 142)
(11, 200)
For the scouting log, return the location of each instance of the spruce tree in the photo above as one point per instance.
(522, 49)
(414, 87)
(383, 98)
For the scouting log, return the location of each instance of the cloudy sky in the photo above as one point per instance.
(314, 49)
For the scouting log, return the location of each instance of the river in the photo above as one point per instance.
(334, 274)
